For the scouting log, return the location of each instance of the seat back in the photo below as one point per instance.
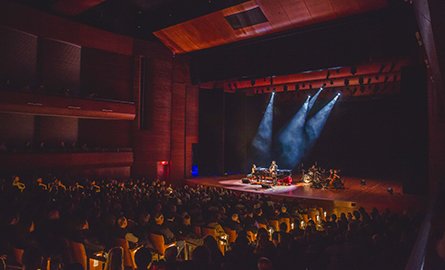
(77, 253)
(287, 221)
(231, 233)
(209, 231)
(158, 242)
(261, 225)
(17, 254)
(128, 258)
(275, 225)
(197, 230)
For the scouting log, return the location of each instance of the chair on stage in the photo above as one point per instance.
(159, 244)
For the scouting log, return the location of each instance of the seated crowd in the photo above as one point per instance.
(42, 223)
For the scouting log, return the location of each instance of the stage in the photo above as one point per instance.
(373, 194)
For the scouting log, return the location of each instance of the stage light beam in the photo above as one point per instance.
(262, 142)
(291, 139)
(315, 124)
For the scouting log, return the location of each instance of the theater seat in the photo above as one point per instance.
(275, 225)
(128, 255)
(76, 253)
(231, 233)
(212, 232)
(287, 221)
(159, 244)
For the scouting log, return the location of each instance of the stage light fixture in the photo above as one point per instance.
(382, 67)
(353, 70)
(390, 190)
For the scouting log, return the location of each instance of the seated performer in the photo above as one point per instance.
(334, 179)
(252, 174)
(273, 169)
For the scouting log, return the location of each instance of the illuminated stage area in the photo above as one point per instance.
(373, 194)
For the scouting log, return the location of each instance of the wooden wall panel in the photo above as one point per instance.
(105, 133)
(59, 66)
(191, 126)
(64, 106)
(107, 75)
(178, 131)
(16, 128)
(18, 54)
(52, 130)
(52, 161)
(153, 144)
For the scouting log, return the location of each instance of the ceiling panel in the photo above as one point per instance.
(213, 29)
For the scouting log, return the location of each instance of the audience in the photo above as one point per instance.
(39, 217)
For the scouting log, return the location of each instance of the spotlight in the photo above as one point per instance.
(390, 190)
(353, 70)
(338, 94)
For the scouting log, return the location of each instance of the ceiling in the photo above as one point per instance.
(186, 26)
(213, 29)
(269, 37)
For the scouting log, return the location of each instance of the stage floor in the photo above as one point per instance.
(373, 194)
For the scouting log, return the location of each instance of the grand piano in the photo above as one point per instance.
(263, 176)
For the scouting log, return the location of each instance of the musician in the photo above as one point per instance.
(273, 169)
(333, 177)
(253, 170)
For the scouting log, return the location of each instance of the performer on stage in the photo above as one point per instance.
(273, 169)
(253, 173)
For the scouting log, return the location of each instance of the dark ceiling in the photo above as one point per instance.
(136, 18)
(382, 34)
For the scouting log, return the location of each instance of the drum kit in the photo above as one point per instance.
(320, 178)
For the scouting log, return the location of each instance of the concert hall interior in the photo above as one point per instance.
(222, 134)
